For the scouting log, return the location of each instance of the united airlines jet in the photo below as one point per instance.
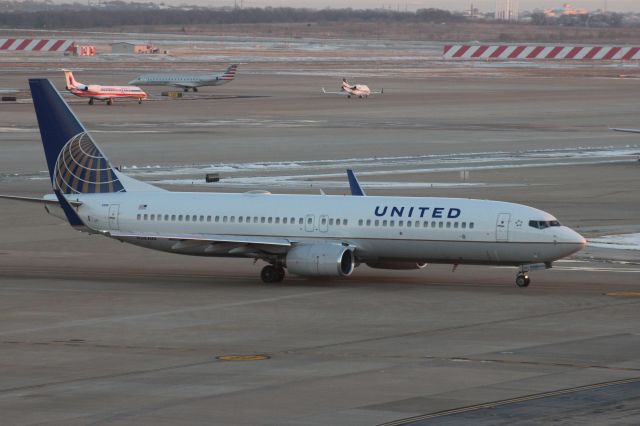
(307, 235)
(187, 81)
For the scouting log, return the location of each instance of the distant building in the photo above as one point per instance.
(131, 47)
(506, 10)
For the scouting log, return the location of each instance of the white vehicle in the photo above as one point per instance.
(187, 81)
(357, 90)
(308, 235)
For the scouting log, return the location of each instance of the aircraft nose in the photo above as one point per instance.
(570, 237)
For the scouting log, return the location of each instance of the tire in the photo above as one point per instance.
(269, 274)
(522, 281)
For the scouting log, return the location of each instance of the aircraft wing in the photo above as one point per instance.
(186, 84)
(211, 243)
(625, 130)
(341, 92)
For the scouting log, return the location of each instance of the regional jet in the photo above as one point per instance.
(306, 235)
(349, 90)
(187, 81)
(102, 93)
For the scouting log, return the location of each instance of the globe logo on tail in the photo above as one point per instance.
(81, 168)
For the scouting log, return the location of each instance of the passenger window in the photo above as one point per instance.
(368, 222)
(277, 220)
(377, 222)
(345, 222)
(464, 225)
(255, 219)
(433, 224)
(310, 221)
(337, 222)
(166, 217)
(440, 224)
(224, 219)
(139, 217)
(401, 223)
(284, 220)
(153, 217)
(384, 223)
(455, 224)
(233, 219)
(471, 225)
(240, 219)
(208, 218)
(262, 219)
(217, 218)
(360, 222)
(448, 224)
(146, 217)
(324, 220)
(179, 218)
(194, 218)
(392, 223)
(269, 219)
(173, 217)
(293, 221)
(409, 224)
(331, 221)
(159, 217)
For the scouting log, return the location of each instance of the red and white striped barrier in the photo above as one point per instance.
(520, 52)
(36, 45)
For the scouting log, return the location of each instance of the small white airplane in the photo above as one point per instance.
(102, 93)
(625, 130)
(357, 90)
(308, 235)
(187, 81)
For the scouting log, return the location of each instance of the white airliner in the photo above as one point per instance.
(308, 235)
(101, 93)
(187, 81)
(625, 130)
(349, 90)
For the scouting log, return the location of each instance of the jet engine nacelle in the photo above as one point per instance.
(92, 88)
(320, 260)
(396, 265)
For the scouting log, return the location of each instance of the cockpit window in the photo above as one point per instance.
(543, 224)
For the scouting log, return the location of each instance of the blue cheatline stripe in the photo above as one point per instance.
(356, 189)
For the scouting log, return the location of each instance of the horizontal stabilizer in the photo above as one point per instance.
(39, 200)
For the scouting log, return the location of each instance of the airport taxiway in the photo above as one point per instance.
(93, 331)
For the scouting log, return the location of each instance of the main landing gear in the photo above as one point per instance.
(90, 101)
(110, 101)
(272, 274)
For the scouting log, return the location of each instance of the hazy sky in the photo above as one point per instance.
(484, 5)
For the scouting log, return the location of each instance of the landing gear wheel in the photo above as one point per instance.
(269, 274)
(90, 101)
(139, 101)
(195, 89)
(281, 273)
(110, 102)
(522, 280)
(186, 89)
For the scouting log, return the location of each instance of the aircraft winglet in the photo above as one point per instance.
(356, 189)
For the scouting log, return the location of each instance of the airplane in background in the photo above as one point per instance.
(187, 81)
(349, 90)
(625, 130)
(102, 93)
(308, 235)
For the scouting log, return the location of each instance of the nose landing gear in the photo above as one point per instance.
(522, 280)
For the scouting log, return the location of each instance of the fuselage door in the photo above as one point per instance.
(502, 226)
(323, 223)
(309, 222)
(114, 212)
